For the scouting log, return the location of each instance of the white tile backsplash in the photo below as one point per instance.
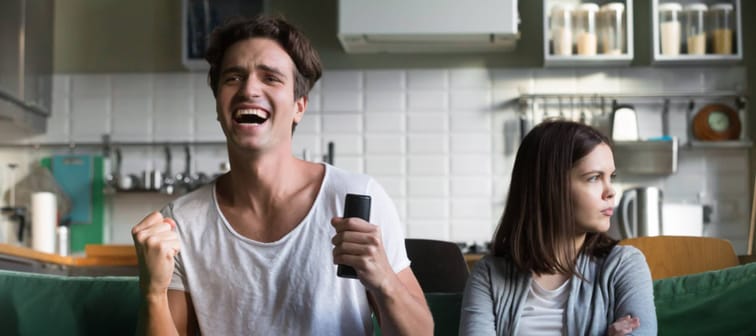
(385, 80)
(90, 117)
(440, 141)
(428, 79)
(341, 101)
(427, 101)
(385, 123)
(385, 165)
(428, 122)
(384, 144)
(342, 123)
(384, 101)
(428, 144)
(342, 80)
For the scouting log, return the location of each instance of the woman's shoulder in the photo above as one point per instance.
(621, 255)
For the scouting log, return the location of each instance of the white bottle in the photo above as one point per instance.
(63, 246)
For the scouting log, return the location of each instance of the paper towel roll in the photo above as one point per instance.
(44, 213)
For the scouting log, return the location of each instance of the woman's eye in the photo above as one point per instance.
(593, 178)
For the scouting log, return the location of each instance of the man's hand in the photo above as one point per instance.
(623, 326)
(156, 244)
(359, 244)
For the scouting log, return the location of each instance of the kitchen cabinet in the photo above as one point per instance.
(588, 34)
(26, 32)
(677, 38)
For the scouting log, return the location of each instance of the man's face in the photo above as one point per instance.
(255, 101)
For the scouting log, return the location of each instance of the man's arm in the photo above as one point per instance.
(163, 311)
(398, 297)
(401, 314)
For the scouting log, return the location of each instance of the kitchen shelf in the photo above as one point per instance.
(720, 144)
(686, 59)
(583, 60)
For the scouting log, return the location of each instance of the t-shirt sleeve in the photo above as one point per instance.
(383, 213)
(178, 279)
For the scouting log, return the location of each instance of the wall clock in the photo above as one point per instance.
(716, 122)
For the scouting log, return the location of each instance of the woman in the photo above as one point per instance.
(553, 270)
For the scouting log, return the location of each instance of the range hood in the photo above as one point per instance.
(404, 26)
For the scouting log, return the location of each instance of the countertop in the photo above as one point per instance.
(97, 260)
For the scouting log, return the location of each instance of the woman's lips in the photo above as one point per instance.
(607, 211)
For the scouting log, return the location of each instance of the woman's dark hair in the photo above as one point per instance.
(306, 60)
(537, 229)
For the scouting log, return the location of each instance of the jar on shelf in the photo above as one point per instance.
(669, 28)
(695, 28)
(722, 31)
(585, 29)
(561, 29)
(612, 28)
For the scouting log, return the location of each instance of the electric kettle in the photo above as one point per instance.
(639, 213)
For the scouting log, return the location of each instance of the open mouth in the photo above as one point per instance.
(251, 116)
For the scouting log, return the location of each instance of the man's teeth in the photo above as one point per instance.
(251, 116)
(256, 112)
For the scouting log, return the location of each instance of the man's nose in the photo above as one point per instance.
(250, 87)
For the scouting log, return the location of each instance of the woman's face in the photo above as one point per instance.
(592, 191)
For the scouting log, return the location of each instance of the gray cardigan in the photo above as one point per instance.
(615, 286)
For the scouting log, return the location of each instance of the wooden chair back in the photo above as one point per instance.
(670, 256)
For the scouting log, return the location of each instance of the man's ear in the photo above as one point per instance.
(300, 105)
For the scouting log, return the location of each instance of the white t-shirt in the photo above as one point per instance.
(544, 310)
(239, 286)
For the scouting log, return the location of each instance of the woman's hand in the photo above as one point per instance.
(623, 326)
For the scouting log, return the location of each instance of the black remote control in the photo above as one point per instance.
(354, 206)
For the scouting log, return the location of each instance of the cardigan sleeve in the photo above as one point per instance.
(634, 292)
(478, 315)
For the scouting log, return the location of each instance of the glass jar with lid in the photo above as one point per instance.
(670, 28)
(695, 28)
(585, 28)
(722, 32)
(611, 20)
(561, 29)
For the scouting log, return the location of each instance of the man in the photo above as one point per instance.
(255, 251)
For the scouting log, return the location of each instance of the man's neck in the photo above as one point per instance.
(263, 180)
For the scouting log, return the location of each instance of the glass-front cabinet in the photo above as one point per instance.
(588, 33)
(696, 31)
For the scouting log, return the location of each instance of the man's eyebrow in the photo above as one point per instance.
(270, 69)
(233, 69)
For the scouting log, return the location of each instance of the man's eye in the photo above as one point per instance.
(613, 177)
(272, 79)
(232, 78)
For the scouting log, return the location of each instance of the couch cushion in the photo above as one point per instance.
(39, 304)
(719, 302)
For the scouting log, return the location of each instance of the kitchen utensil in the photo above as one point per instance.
(624, 122)
(639, 212)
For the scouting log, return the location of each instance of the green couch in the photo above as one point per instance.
(712, 303)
